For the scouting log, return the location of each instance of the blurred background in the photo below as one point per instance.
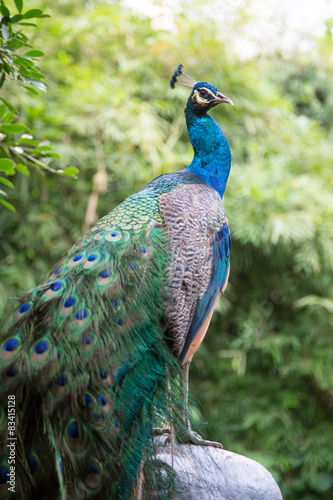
(262, 382)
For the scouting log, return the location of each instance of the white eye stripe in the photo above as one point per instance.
(199, 99)
(207, 90)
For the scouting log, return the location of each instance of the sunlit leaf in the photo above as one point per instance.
(19, 5)
(34, 53)
(9, 105)
(6, 182)
(6, 164)
(32, 13)
(70, 171)
(13, 128)
(7, 205)
(22, 169)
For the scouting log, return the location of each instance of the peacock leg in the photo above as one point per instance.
(185, 434)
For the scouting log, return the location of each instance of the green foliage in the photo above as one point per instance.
(262, 378)
(18, 148)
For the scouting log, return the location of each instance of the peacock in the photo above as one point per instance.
(95, 360)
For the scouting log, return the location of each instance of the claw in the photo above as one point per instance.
(191, 437)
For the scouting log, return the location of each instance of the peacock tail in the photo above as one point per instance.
(91, 361)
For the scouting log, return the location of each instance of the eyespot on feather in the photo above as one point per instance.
(33, 464)
(89, 401)
(93, 480)
(132, 268)
(105, 376)
(10, 348)
(82, 317)
(104, 278)
(55, 288)
(92, 261)
(106, 404)
(77, 260)
(61, 386)
(88, 342)
(4, 478)
(24, 310)
(41, 351)
(12, 376)
(123, 324)
(114, 236)
(144, 253)
(75, 436)
(68, 306)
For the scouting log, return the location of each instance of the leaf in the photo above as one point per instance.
(13, 128)
(28, 24)
(8, 118)
(25, 61)
(22, 169)
(3, 193)
(30, 90)
(70, 171)
(36, 83)
(16, 18)
(6, 182)
(7, 49)
(34, 53)
(9, 105)
(5, 32)
(7, 205)
(53, 155)
(19, 5)
(4, 11)
(33, 13)
(6, 164)
(2, 78)
(3, 110)
(30, 141)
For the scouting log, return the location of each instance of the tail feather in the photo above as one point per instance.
(86, 359)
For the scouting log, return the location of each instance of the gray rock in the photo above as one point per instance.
(207, 473)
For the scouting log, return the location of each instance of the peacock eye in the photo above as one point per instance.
(203, 93)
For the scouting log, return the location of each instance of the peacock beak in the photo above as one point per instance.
(222, 98)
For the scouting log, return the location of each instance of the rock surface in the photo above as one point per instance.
(207, 473)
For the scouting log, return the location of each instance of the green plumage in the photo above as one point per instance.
(91, 366)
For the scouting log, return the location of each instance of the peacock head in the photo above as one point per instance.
(203, 96)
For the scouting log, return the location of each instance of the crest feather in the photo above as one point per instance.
(182, 77)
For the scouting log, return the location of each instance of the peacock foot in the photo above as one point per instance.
(186, 436)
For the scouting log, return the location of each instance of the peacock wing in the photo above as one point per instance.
(200, 242)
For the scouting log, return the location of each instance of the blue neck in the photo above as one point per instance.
(212, 156)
